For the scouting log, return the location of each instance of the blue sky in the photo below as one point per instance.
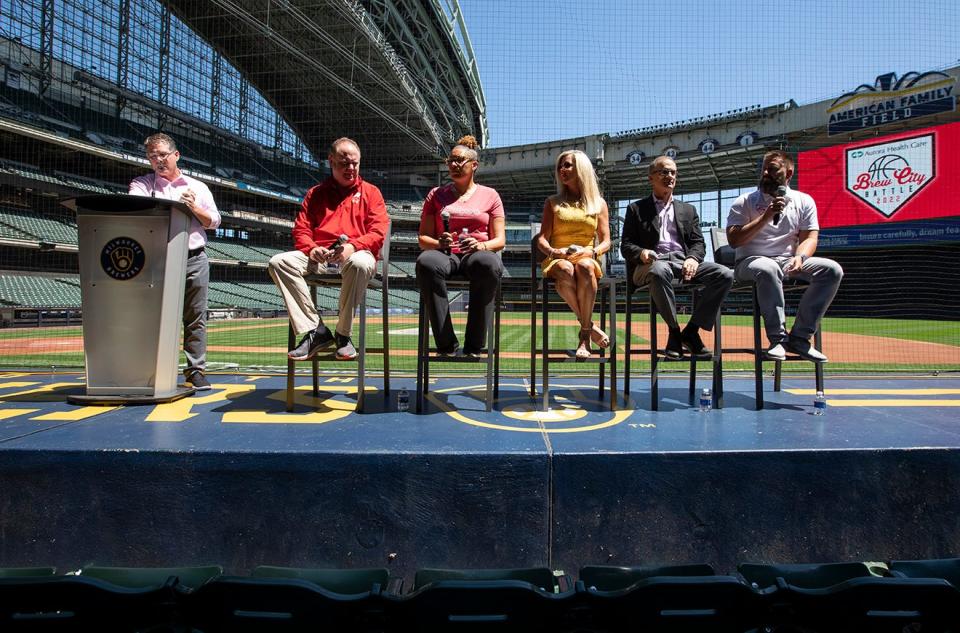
(561, 68)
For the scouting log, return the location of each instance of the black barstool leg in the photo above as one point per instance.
(717, 363)
(496, 342)
(490, 353)
(757, 353)
(533, 334)
(546, 345)
(314, 363)
(604, 296)
(613, 344)
(818, 367)
(291, 368)
(654, 348)
(627, 349)
(362, 360)
(420, 339)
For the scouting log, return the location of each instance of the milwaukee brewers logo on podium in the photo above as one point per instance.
(122, 258)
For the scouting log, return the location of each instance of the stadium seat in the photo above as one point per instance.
(484, 605)
(540, 286)
(675, 603)
(80, 603)
(344, 581)
(865, 604)
(26, 572)
(540, 577)
(380, 281)
(146, 577)
(490, 357)
(654, 351)
(610, 578)
(946, 568)
(724, 254)
(235, 604)
(806, 576)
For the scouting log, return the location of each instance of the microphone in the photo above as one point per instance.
(331, 266)
(445, 216)
(781, 192)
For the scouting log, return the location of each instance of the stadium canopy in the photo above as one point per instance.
(398, 76)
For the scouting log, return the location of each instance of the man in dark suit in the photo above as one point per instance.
(661, 241)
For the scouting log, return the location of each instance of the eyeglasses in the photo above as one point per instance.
(666, 172)
(345, 164)
(457, 160)
(159, 156)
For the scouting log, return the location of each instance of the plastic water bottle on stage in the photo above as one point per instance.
(706, 400)
(403, 401)
(819, 404)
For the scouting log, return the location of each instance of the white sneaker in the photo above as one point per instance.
(776, 352)
(803, 349)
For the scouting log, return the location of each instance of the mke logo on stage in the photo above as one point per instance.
(890, 99)
(887, 175)
(122, 258)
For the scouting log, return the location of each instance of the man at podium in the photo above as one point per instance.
(169, 183)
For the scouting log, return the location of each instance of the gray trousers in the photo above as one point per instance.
(287, 270)
(659, 274)
(195, 313)
(824, 276)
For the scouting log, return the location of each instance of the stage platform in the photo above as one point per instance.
(229, 477)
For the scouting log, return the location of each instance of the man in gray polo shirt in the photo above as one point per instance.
(774, 230)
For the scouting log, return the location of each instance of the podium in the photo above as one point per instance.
(133, 258)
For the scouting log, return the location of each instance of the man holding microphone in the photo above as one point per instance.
(343, 221)
(169, 183)
(775, 230)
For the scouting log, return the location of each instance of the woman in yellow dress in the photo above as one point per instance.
(575, 231)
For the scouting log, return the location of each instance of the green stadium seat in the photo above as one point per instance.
(344, 581)
(610, 578)
(145, 577)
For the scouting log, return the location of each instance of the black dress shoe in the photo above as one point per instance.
(674, 347)
(694, 344)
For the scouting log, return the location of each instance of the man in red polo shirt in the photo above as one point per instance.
(341, 205)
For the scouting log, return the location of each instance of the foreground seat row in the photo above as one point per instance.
(898, 596)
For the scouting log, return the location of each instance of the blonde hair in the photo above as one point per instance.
(586, 178)
(469, 143)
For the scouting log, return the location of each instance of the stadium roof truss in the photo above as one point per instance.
(399, 76)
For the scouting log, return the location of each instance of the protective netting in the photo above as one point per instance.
(254, 92)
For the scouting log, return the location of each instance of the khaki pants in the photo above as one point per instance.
(288, 269)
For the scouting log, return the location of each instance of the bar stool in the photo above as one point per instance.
(655, 353)
(489, 356)
(380, 281)
(725, 254)
(607, 289)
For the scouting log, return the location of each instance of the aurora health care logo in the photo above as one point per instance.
(122, 258)
(887, 175)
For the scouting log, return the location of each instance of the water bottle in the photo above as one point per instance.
(819, 404)
(464, 234)
(706, 400)
(403, 401)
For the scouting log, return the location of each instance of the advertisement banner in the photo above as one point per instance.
(907, 176)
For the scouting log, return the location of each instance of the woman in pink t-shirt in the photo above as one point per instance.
(461, 228)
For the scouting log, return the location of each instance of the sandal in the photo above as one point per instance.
(583, 349)
(599, 337)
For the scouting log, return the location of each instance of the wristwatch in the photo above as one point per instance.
(804, 258)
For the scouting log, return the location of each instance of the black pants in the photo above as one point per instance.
(483, 269)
